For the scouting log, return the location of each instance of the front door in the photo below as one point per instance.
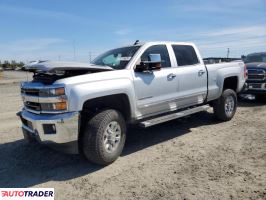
(156, 90)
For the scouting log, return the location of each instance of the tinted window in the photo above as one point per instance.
(185, 55)
(255, 58)
(158, 49)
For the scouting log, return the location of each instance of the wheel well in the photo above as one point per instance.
(119, 102)
(230, 83)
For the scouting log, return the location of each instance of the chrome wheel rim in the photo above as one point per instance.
(229, 105)
(112, 136)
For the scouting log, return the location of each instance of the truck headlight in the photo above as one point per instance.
(58, 91)
(53, 100)
(52, 92)
(59, 106)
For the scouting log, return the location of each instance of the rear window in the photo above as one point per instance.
(185, 55)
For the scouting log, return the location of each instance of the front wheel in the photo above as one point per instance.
(225, 107)
(104, 137)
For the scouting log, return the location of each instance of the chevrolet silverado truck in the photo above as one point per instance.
(256, 71)
(86, 108)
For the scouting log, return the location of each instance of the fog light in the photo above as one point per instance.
(49, 128)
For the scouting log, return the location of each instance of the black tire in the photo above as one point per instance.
(219, 106)
(94, 137)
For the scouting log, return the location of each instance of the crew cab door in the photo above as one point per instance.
(156, 89)
(191, 76)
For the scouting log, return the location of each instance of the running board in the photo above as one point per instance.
(172, 116)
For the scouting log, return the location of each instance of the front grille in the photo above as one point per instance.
(38, 98)
(33, 106)
(255, 77)
(256, 74)
(32, 92)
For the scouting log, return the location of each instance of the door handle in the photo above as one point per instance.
(201, 72)
(171, 76)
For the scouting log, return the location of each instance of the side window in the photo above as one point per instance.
(158, 49)
(185, 55)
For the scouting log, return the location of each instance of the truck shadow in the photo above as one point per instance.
(251, 102)
(24, 165)
(139, 138)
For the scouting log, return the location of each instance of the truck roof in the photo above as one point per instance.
(159, 42)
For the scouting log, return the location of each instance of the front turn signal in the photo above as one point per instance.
(60, 105)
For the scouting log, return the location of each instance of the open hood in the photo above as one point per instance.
(52, 66)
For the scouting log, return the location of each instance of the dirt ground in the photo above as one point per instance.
(192, 158)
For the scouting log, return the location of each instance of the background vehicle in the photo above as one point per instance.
(86, 107)
(212, 60)
(256, 70)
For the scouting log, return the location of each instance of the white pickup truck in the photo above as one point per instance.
(85, 108)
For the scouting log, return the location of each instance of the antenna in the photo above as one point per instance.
(136, 42)
(228, 52)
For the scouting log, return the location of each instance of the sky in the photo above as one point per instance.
(81, 29)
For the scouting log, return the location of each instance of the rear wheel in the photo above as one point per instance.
(104, 137)
(225, 107)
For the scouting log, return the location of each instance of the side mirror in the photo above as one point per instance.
(154, 63)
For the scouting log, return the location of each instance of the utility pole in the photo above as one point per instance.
(228, 52)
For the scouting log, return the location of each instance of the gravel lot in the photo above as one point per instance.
(192, 158)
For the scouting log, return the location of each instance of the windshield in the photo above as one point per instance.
(116, 58)
(255, 58)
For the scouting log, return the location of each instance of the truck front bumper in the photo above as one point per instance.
(255, 88)
(58, 130)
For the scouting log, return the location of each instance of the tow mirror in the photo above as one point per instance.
(154, 63)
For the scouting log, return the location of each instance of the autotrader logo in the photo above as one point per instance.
(27, 193)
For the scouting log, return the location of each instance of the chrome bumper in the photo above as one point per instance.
(52, 129)
(255, 88)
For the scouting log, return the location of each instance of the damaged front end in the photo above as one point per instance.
(47, 72)
(46, 116)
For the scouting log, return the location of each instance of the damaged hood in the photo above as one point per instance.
(51, 66)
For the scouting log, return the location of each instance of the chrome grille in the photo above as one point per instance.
(37, 99)
(256, 74)
(33, 106)
(30, 91)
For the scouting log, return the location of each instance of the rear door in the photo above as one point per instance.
(191, 76)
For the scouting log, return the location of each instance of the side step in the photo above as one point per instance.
(172, 116)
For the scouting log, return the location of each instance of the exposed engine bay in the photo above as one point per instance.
(47, 72)
(50, 78)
